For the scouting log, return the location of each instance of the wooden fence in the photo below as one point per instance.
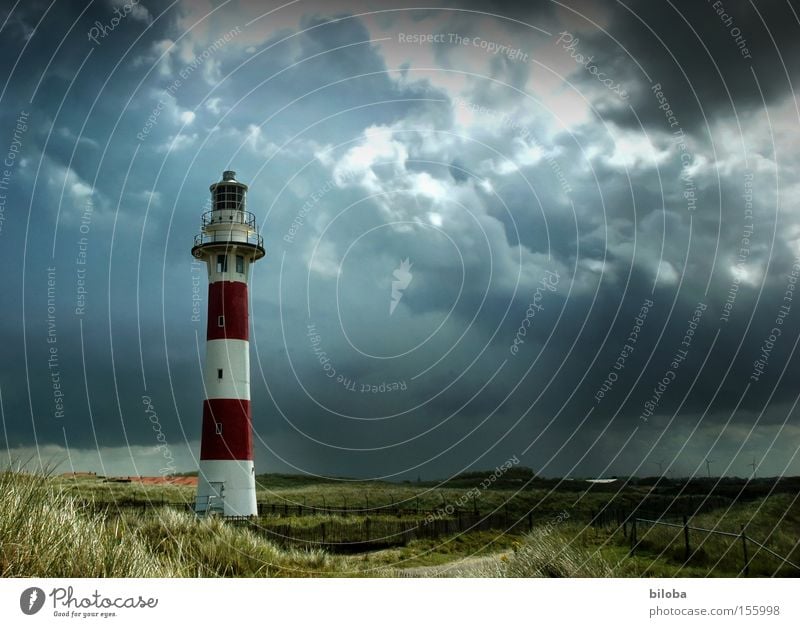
(340, 535)
(631, 523)
(687, 548)
(343, 529)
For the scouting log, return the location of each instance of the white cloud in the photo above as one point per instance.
(255, 140)
(214, 105)
(113, 461)
(435, 219)
(66, 133)
(634, 149)
(378, 146)
(177, 142)
(322, 258)
(71, 191)
(667, 274)
(135, 11)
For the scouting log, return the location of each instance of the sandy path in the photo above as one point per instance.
(479, 566)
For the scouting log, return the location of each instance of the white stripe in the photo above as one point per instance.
(232, 357)
(231, 484)
(231, 274)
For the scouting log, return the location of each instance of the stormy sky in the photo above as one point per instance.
(566, 233)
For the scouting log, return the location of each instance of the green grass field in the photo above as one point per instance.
(59, 527)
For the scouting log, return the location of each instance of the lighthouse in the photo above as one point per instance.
(229, 243)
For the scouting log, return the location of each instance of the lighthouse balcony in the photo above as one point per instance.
(228, 239)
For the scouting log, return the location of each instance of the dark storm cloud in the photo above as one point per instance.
(712, 59)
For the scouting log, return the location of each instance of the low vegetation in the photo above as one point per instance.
(545, 553)
(88, 527)
(210, 547)
(47, 532)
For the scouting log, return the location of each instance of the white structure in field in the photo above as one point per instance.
(229, 243)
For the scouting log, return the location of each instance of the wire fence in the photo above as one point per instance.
(357, 529)
(635, 525)
(353, 529)
(686, 529)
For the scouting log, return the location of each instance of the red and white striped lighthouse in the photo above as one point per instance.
(229, 243)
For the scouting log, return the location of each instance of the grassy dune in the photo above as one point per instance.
(210, 547)
(47, 532)
(573, 550)
(57, 527)
(773, 521)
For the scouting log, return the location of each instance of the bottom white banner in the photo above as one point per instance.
(389, 602)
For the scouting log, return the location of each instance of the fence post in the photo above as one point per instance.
(686, 548)
(322, 527)
(746, 568)
(530, 521)
(633, 537)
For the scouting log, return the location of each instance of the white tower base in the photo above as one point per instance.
(227, 488)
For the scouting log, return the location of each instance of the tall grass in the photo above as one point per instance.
(547, 553)
(122, 494)
(210, 547)
(772, 521)
(48, 529)
(544, 552)
(47, 533)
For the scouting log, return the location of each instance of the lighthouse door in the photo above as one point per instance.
(216, 497)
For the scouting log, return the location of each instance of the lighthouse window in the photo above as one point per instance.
(222, 263)
(228, 197)
(219, 428)
(220, 321)
(240, 264)
(219, 373)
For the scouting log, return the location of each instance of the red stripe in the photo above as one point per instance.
(236, 440)
(229, 300)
